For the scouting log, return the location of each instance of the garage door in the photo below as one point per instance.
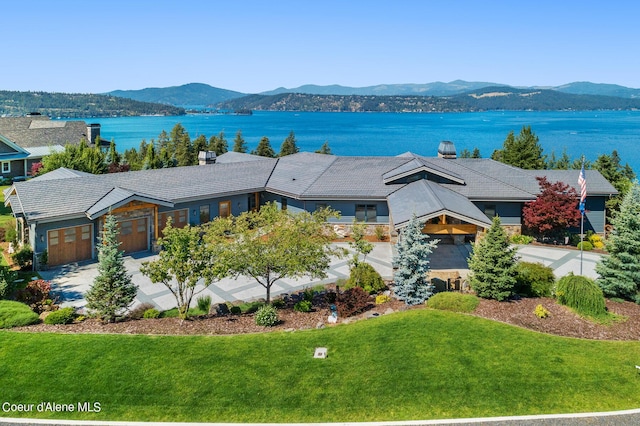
(66, 245)
(134, 235)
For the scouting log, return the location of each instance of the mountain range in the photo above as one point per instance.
(202, 95)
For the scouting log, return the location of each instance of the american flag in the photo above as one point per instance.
(582, 181)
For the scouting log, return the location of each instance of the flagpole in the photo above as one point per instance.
(582, 181)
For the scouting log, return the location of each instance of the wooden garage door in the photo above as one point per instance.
(134, 235)
(66, 245)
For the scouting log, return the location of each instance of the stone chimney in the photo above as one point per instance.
(93, 132)
(447, 150)
(206, 157)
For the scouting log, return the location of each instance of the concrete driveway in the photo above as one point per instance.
(72, 281)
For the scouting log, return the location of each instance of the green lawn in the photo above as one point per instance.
(5, 212)
(421, 364)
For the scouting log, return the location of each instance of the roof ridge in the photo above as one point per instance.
(326, 169)
(498, 180)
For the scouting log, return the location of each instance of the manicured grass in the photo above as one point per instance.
(419, 364)
(6, 217)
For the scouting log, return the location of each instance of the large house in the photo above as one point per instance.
(63, 211)
(26, 140)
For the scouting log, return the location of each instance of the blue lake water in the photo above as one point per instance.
(588, 133)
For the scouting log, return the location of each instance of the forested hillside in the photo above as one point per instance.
(70, 105)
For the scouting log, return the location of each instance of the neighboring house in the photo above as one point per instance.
(26, 140)
(63, 211)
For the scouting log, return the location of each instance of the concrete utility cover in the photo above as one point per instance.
(320, 353)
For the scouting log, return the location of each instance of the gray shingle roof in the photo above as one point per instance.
(60, 173)
(428, 199)
(74, 197)
(294, 174)
(41, 131)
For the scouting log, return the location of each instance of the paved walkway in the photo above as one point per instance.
(72, 281)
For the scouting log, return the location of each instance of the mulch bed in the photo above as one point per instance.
(561, 321)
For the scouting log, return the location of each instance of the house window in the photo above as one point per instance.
(6, 167)
(126, 228)
(86, 232)
(204, 214)
(70, 235)
(224, 208)
(490, 210)
(366, 213)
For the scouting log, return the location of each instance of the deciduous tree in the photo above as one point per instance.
(493, 265)
(554, 209)
(270, 244)
(113, 290)
(186, 264)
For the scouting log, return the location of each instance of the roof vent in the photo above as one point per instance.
(447, 150)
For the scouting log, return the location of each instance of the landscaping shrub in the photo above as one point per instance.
(585, 245)
(352, 301)
(380, 234)
(582, 294)
(521, 239)
(139, 310)
(308, 294)
(279, 303)
(16, 314)
(7, 282)
(235, 310)
(330, 297)
(302, 306)
(455, 302)
(37, 295)
(23, 257)
(266, 316)
(10, 235)
(151, 313)
(596, 241)
(382, 298)
(366, 277)
(541, 312)
(61, 316)
(204, 303)
(534, 279)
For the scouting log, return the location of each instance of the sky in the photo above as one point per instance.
(251, 46)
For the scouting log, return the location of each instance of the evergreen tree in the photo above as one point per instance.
(239, 145)
(289, 146)
(465, 153)
(476, 153)
(621, 177)
(113, 157)
(180, 139)
(199, 144)
(523, 151)
(620, 271)
(218, 144)
(324, 149)
(151, 160)
(412, 283)
(113, 290)
(264, 148)
(493, 265)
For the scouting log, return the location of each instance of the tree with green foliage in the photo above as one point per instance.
(184, 154)
(270, 244)
(324, 149)
(620, 271)
(239, 144)
(493, 265)
(465, 153)
(113, 290)
(218, 144)
(113, 157)
(79, 157)
(359, 244)
(264, 148)
(199, 144)
(289, 145)
(582, 294)
(522, 151)
(187, 265)
(562, 163)
(151, 160)
(411, 280)
(621, 177)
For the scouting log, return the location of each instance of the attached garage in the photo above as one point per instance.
(66, 245)
(134, 235)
